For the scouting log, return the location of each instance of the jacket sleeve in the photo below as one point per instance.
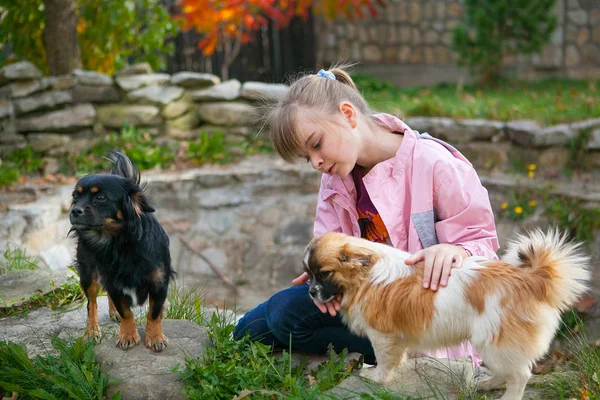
(464, 212)
(326, 219)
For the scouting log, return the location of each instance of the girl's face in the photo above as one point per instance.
(331, 148)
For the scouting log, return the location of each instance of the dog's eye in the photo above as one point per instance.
(325, 274)
(75, 197)
(100, 197)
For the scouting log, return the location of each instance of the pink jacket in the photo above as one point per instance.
(428, 193)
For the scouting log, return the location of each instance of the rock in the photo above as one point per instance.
(6, 108)
(25, 88)
(42, 101)
(228, 113)
(18, 286)
(67, 119)
(116, 115)
(135, 69)
(594, 141)
(228, 90)
(77, 143)
(156, 94)
(133, 82)
(522, 131)
(185, 122)
(19, 71)
(145, 374)
(95, 94)
(263, 91)
(92, 78)
(61, 82)
(175, 109)
(194, 80)
(421, 377)
(42, 142)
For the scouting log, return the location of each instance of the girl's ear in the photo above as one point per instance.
(349, 113)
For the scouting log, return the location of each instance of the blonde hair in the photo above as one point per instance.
(320, 95)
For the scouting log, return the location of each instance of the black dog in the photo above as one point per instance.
(122, 247)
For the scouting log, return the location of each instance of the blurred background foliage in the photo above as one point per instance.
(111, 33)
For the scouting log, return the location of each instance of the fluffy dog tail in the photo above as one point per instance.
(556, 260)
(123, 166)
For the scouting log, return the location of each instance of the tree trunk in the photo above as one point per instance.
(60, 37)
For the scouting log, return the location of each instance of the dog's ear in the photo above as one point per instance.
(135, 204)
(356, 255)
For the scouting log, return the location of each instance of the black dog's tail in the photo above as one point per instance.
(123, 166)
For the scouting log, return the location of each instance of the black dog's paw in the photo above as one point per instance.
(156, 342)
(127, 340)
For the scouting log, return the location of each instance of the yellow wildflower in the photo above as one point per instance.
(504, 206)
(531, 167)
(518, 210)
(532, 203)
(530, 174)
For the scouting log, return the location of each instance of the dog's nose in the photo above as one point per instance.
(313, 292)
(76, 211)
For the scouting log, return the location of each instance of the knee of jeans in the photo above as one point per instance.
(284, 321)
(253, 322)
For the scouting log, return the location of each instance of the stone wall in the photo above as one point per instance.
(58, 115)
(410, 42)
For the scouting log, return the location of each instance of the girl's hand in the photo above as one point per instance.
(332, 307)
(439, 260)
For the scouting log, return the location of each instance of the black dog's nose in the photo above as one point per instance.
(76, 211)
(313, 292)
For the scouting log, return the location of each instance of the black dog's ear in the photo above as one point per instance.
(135, 204)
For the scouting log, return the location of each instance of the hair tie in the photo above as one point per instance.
(326, 74)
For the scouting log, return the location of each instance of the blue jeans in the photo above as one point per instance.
(290, 315)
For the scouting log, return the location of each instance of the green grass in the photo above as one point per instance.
(16, 259)
(242, 368)
(143, 148)
(72, 374)
(64, 295)
(548, 101)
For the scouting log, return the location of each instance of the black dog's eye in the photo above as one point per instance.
(75, 196)
(100, 197)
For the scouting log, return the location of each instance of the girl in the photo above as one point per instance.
(382, 181)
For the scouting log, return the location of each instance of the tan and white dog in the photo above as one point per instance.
(508, 309)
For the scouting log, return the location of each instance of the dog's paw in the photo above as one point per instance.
(489, 383)
(127, 340)
(93, 333)
(156, 342)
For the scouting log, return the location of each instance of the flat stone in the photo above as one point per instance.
(42, 101)
(228, 113)
(145, 374)
(135, 69)
(67, 119)
(18, 286)
(175, 109)
(156, 94)
(194, 80)
(42, 142)
(95, 94)
(522, 131)
(19, 71)
(25, 88)
(133, 82)
(92, 78)
(263, 91)
(116, 115)
(228, 90)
